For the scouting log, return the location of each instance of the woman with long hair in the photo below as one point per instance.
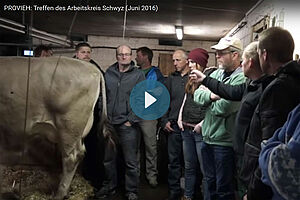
(190, 115)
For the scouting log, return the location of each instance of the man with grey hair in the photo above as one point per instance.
(175, 84)
(217, 128)
(120, 79)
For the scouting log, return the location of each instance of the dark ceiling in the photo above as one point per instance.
(202, 19)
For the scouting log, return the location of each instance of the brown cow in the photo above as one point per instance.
(53, 97)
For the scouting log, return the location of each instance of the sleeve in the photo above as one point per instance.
(264, 156)
(279, 159)
(226, 91)
(224, 108)
(202, 97)
(294, 145)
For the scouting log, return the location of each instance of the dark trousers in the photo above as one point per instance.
(92, 166)
(175, 160)
(218, 167)
(128, 141)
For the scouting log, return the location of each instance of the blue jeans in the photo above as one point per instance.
(175, 160)
(218, 166)
(192, 159)
(128, 141)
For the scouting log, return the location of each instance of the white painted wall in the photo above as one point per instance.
(104, 48)
(106, 56)
(286, 13)
(292, 22)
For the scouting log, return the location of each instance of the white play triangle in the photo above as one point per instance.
(149, 99)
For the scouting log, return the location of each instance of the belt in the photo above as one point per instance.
(188, 126)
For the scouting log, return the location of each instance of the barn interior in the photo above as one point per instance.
(150, 23)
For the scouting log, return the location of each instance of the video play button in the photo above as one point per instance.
(149, 99)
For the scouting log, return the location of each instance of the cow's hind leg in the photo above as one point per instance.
(69, 165)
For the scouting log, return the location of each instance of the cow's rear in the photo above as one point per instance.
(52, 98)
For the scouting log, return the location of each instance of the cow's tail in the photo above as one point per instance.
(107, 130)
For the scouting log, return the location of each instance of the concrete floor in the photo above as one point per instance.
(145, 192)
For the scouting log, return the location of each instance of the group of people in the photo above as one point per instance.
(221, 123)
(266, 99)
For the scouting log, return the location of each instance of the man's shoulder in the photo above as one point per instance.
(285, 80)
(155, 68)
(113, 65)
(265, 80)
(281, 90)
(174, 74)
(238, 74)
(289, 72)
(111, 69)
(216, 73)
(136, 73)
(292, 66)
(209, 70)
(137, 70)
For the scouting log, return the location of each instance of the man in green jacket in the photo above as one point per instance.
(217, 129)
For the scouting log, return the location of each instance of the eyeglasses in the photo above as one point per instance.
(124, 54)
(222, 53)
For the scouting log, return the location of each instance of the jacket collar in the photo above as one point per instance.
(264, 80)
(236, 71)
(131, 67)
(292, 68)
(177, 73)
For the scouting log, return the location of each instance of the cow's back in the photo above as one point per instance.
(53, 97)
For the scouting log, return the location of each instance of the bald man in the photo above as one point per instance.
(175, 83)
